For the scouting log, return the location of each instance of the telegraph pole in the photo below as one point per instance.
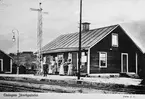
(80, 30)
(39, 36)
(14, 38)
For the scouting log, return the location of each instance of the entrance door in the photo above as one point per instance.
(124, 62)
(75, 62)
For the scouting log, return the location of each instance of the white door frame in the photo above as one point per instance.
(122, 61)
(77, 61)
(1, 64)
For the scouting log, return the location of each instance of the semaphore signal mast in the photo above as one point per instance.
(39, 35)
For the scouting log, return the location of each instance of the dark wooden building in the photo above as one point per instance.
(5, 63)
(104, 50)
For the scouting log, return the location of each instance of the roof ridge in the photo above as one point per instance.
(91, 29)
(6, 53)
(106, 26)
(94, 29)
(64, 42)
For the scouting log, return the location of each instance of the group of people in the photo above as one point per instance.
(64, 68)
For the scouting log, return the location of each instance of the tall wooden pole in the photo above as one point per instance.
(18, 63)
(80, 30)
(39, 36)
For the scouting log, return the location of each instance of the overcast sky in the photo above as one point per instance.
(63, 18)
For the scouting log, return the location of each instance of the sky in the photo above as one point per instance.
(63, 17)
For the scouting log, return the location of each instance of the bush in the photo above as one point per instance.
(22, 69)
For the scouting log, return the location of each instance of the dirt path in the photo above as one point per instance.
(31, 87)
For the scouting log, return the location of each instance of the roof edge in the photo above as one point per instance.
(132, 40)
(6, 54)
(67, 49)
(117, 25)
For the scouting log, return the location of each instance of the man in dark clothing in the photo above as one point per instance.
(45, 67)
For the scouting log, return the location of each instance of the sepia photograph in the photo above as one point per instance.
(79, 48)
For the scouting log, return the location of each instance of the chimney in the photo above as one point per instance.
(85, 26)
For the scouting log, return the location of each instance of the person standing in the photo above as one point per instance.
(61, 70)
(45, 67)
(70, 68)
(50, 69)
(53, 66)
(65, 66)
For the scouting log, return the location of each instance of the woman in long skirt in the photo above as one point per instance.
(61, 70)
(50, 69)
(70, 69)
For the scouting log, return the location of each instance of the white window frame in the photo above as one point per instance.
(115, 34)
(100, 60)
(1, 64)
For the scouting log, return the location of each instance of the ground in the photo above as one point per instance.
(68, 84)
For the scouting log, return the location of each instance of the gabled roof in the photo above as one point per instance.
(6, 54)
(70, 42)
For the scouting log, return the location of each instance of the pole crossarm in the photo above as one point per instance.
(33, 9)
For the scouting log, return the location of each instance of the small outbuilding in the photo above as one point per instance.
(5, 62)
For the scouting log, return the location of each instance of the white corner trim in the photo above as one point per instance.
(88, 63)
(136, 62)
(77, 61)
(1, 64)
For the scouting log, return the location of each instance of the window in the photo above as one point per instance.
(102, 59)
(1, 64)
(115, 40)
(60, 58)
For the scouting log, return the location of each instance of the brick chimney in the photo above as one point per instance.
(85, 26)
